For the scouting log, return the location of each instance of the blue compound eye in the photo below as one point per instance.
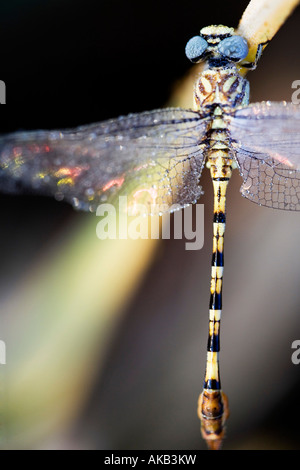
(235, 48)
(195, 48)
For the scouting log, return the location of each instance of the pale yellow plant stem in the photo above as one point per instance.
(261, 20)
(259, 23)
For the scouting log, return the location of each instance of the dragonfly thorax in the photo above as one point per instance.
(223, 86)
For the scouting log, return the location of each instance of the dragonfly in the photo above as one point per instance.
(156, 158)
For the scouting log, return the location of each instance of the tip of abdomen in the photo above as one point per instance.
(213, 412)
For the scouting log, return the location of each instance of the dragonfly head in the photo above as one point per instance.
(218, 46)
(220, 82)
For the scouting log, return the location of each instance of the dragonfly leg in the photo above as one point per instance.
(253, 65)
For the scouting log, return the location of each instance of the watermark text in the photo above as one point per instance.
(296, 354)
(125, 223)
(296, 94)
(2, 352)
(2, 92)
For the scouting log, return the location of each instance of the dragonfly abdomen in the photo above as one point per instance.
(213, 409)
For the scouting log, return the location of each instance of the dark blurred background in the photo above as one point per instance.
(67, 63)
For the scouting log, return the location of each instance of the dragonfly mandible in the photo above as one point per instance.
(157, 158)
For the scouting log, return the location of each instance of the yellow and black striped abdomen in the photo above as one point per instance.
(213, 409)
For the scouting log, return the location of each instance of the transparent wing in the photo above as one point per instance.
(266, 138)
(154, 158)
